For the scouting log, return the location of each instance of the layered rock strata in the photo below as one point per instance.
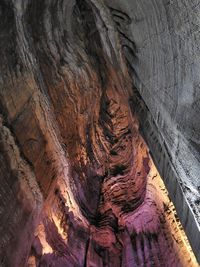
(160, 41)
(79, 187)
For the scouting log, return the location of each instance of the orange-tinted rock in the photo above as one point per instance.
(78, 185)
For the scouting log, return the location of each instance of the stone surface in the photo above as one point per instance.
(78, 184)
(160, 40)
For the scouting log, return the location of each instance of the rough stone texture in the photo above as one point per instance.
(161, 42)
(78, 185)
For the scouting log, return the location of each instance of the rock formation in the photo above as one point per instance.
(81, 100)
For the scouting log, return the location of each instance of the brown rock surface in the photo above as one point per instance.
(78, 186)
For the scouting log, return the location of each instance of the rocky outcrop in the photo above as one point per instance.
(78, 185)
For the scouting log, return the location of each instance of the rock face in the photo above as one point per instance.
(160, 41)
(78, 184)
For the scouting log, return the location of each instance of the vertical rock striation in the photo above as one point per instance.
(160, 42)
(78, 185)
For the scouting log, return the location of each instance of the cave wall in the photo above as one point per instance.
(161, 42)
(79, 175)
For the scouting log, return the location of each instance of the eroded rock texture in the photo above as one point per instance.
(160, 40)
(78, 185)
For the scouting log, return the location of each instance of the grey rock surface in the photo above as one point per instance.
(68, 137)
(161, 43)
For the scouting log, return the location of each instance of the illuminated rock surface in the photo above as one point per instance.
(78, 187)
